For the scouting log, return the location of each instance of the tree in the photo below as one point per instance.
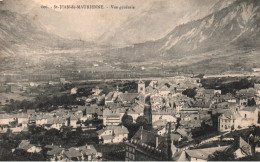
(190, 92)
(79, 131)
(127, 120)
(251, 102)
(221, 156)
(141, 121)
(66, 132)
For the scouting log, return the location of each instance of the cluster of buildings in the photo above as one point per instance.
(164, 106)
(58, 153)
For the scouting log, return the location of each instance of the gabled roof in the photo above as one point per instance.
(240, 143)
(175, 136)
(72, 152)
(182, 132)
(88, 150)
(180, 156)
(147, 137)
(204, 153)
(30, 111)
(136, 110)
(25, 145)
(140, 82)
(113, 112)
(109, 96)
(250, 108)
(202, 104)
(55, 151)
(232, 113)
(108, 137)
(116, 130)
(128, 97)
(22, 115)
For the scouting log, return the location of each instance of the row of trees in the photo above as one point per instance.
(43, 103)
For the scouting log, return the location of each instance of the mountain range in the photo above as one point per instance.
(224, 38)
(234, 28)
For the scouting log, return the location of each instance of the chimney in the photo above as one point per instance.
(156, 142)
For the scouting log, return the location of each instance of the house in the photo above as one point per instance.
(30, 112)
(161, 130)
(113, 116)
(163, 115)
(244, 95)
(145, 145)
(109, 97)
(74, 90)
(112, 134)
(96, 91)
(32, 119)
(73, 121)
(55, 123)
(127, 98)
(89, 152)
(5, 119)
(54, 153)
(25, 145)
(72, 154)
(164, 90)
(82, 153)
(22, 117)
(91, 112)
(230, 120)
(135, 112)
(202, 154)
(257, 88)
(237, 118)
(240, 148)
(42, 119)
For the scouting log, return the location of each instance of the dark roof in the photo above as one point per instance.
(72, 152)
(239, 143)
(147, 137)
(25, 145)
(129, 97)
(55, 151)
(204, 153)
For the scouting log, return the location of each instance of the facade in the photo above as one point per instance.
(112, 134)
(237, 118)
(147, 146)
(141, 87)
(113, 116)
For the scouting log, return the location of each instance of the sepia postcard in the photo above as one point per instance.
(129, 80)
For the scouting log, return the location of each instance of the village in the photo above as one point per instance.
(173, 118)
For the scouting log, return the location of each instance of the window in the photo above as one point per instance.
(245, 115)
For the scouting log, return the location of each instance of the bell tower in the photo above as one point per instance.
(148, 110)
(141, 87)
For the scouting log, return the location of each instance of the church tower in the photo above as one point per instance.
(148, 110)
(141, 87)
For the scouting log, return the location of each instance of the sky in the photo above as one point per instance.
(89, 25)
